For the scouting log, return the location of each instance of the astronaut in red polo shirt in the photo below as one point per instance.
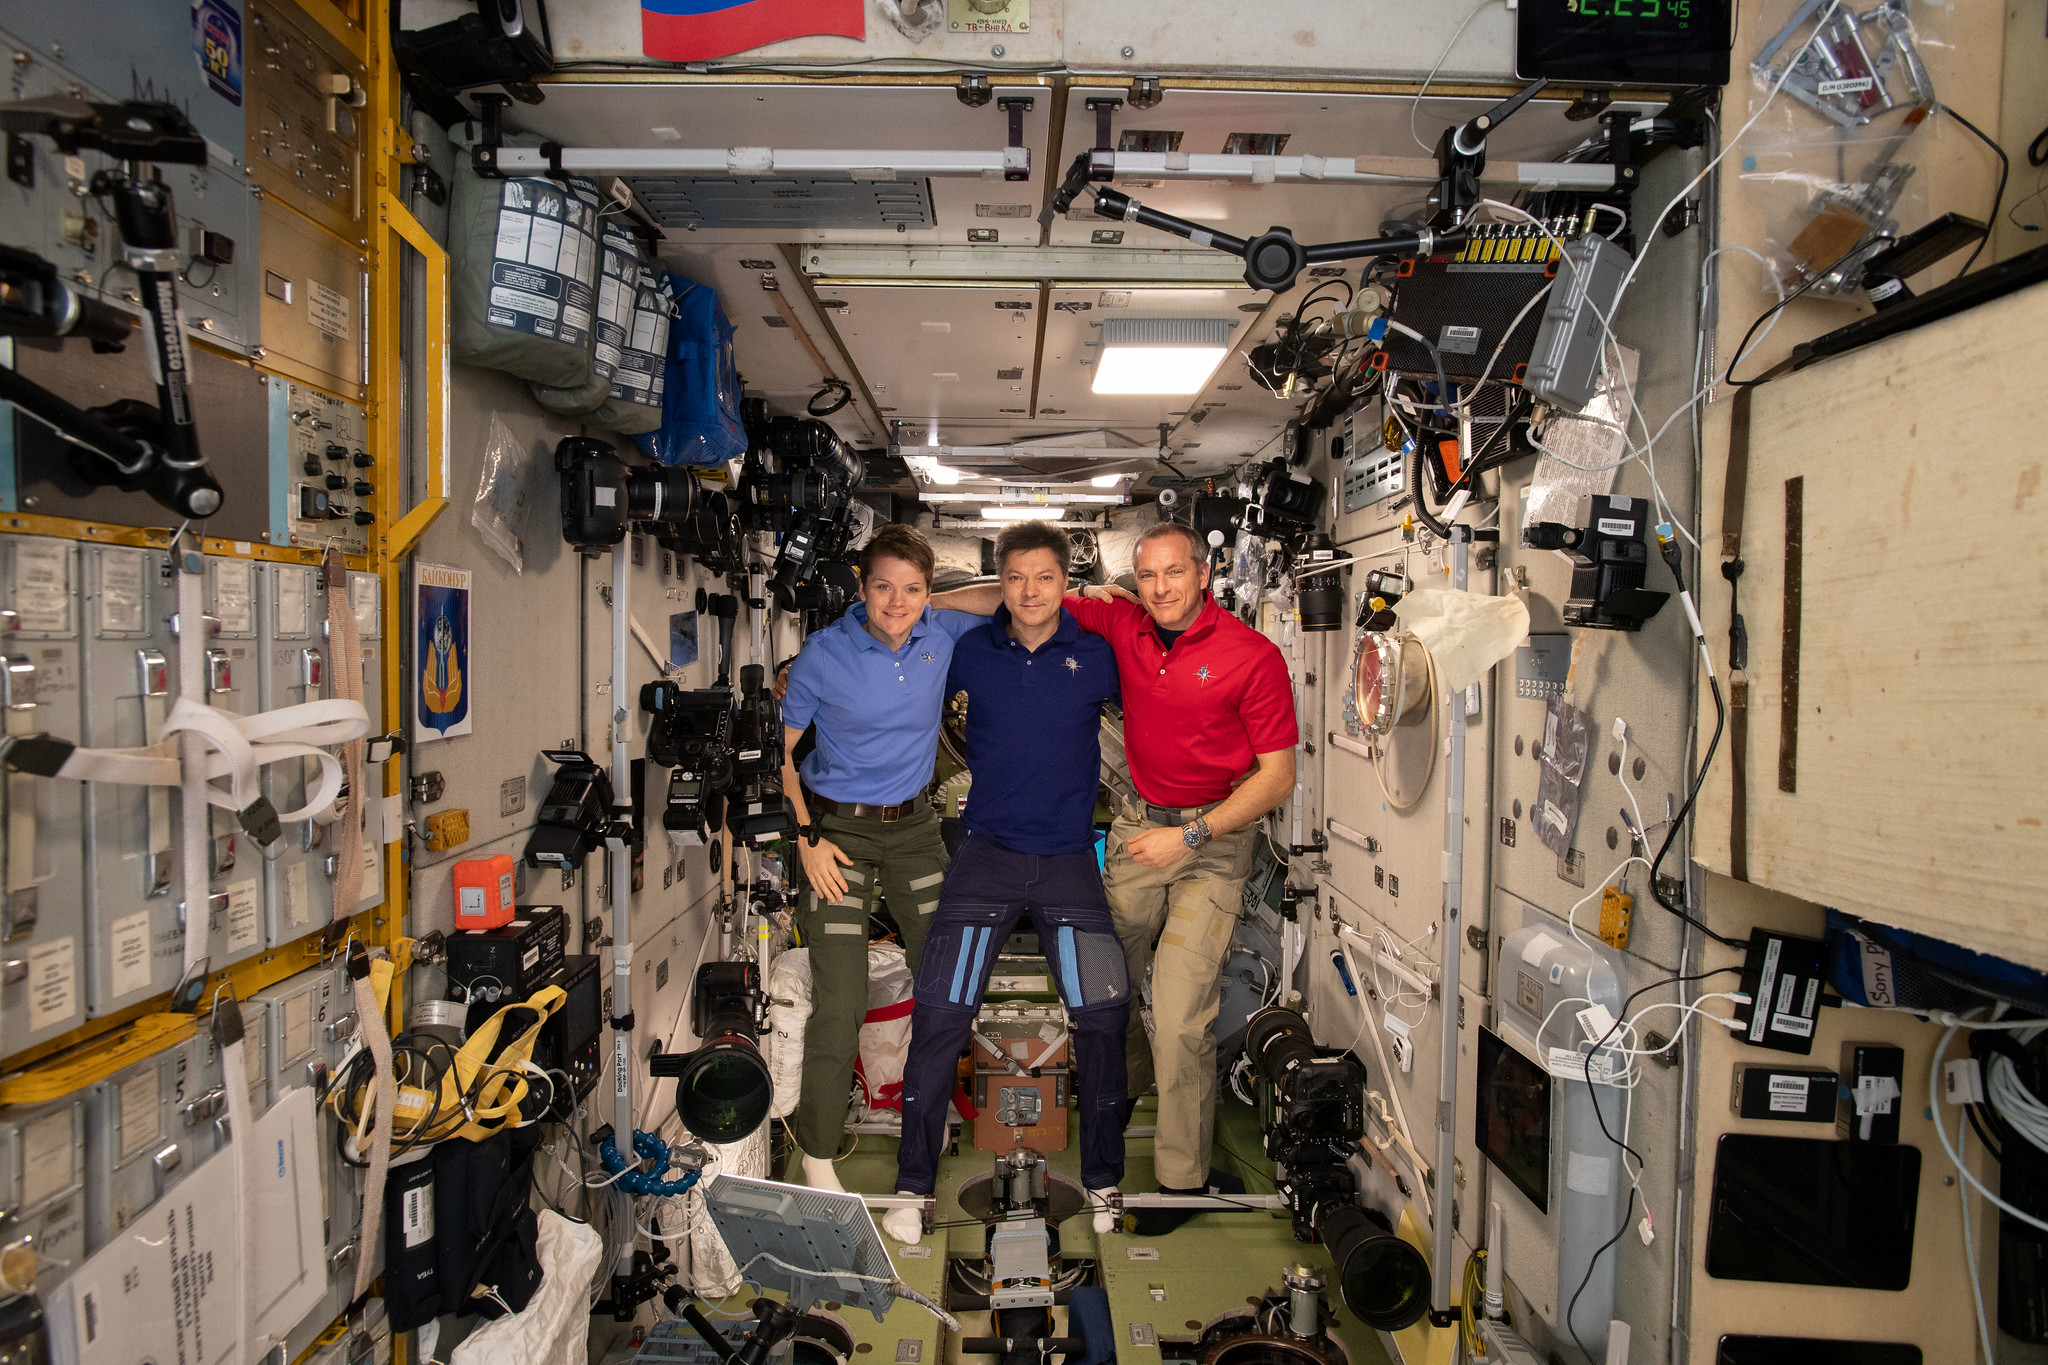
(1210, 732)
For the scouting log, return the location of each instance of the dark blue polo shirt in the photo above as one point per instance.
(1034, 742)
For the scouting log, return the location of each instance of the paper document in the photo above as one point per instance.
(164, 1288)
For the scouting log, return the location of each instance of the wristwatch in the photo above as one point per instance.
(809, 833)
(1196, 832)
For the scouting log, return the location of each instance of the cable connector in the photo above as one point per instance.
(1667, 546)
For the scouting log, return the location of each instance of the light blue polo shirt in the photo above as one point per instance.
(876, 709)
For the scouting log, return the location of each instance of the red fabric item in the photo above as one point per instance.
(1195, 715)
(695, 30)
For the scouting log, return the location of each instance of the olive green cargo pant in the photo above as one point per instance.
(902, 862)
(1178, 921)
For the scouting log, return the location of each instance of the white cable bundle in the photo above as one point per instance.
(2008, 1094)
(712, 1272)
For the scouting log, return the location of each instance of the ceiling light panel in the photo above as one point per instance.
(1172, 356)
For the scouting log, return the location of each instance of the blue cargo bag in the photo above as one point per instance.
(700, 406)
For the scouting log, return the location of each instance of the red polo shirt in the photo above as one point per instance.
(1194, 715)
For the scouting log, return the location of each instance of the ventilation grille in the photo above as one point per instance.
(718, 202)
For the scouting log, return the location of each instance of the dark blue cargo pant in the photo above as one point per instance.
(987, 891)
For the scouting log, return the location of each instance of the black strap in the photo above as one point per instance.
(1734, 504)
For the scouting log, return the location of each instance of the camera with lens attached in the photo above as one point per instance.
(691, 734)
(1312, 1111)
(602, 495)
(798, 479)
(1285, 503)
(723, 1089)
(577, 814)
(755, 811)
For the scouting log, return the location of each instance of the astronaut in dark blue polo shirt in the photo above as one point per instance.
(1036, 684)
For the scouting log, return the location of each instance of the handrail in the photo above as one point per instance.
(405, 533)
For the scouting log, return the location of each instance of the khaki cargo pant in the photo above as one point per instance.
(902, 862)
(1178, 921)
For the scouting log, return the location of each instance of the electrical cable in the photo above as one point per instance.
(1442, 57)
(2004, 172)
(1628, 1214)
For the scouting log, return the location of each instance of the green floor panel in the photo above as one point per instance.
(1161, 1289)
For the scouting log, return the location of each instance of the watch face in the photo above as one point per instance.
(1191, 836)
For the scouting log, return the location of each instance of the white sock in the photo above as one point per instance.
(906, 1225)
(1105, 1214)
(820, 1175)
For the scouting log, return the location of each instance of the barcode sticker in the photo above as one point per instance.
(418, 1218)
(1788, 1094)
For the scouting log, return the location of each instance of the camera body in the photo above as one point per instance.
(1610, 557)
(1312, 1111)
(798, 480)
(602, 495)
(1285, 503)
(576, 815)
(692, 735)
(725, 749)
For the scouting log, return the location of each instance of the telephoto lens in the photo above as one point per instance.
(1383, 1279)
(723, 1090)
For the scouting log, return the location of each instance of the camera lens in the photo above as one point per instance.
(1384, 1280)
(724, 1091)
(661, 495)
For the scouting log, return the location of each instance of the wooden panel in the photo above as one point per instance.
(1921, 734)
(1933, 1311)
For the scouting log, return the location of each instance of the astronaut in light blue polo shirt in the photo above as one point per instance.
(872, 684)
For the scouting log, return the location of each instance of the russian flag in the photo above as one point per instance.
(695, 30)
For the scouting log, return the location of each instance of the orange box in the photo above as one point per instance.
(483, 892)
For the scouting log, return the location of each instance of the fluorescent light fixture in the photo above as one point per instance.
(1055, 499)
(1021, 513)
(1160, 355)
(1108, 480)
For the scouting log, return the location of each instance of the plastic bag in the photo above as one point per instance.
(1833, 165)
(502, 489)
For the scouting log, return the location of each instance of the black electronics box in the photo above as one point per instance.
(495, 967)
(1873, 1092)
(1783, 977)
(1465, 300)
(570, 1040)
(1785, 1092)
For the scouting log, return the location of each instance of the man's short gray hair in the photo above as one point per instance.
(1159, 530)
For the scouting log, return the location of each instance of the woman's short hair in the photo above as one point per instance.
(897, 541)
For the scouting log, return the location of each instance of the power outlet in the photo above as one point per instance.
(447, 829)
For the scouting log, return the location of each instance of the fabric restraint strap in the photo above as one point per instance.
(195, 816)
(1734, 503)
(227, 1031)
(370, 1020)
(348, 685)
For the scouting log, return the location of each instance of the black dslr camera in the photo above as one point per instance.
(576, 815)
(602, 495)
(725, 749)
(692, 735)
(798, 479)
(1312, 1109)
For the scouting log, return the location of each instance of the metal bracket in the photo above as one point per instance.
(1102, 157)
(1016, 157)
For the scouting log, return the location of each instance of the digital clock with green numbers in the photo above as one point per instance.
(1669, 43)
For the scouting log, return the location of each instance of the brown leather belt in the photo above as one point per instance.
(860, 810)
